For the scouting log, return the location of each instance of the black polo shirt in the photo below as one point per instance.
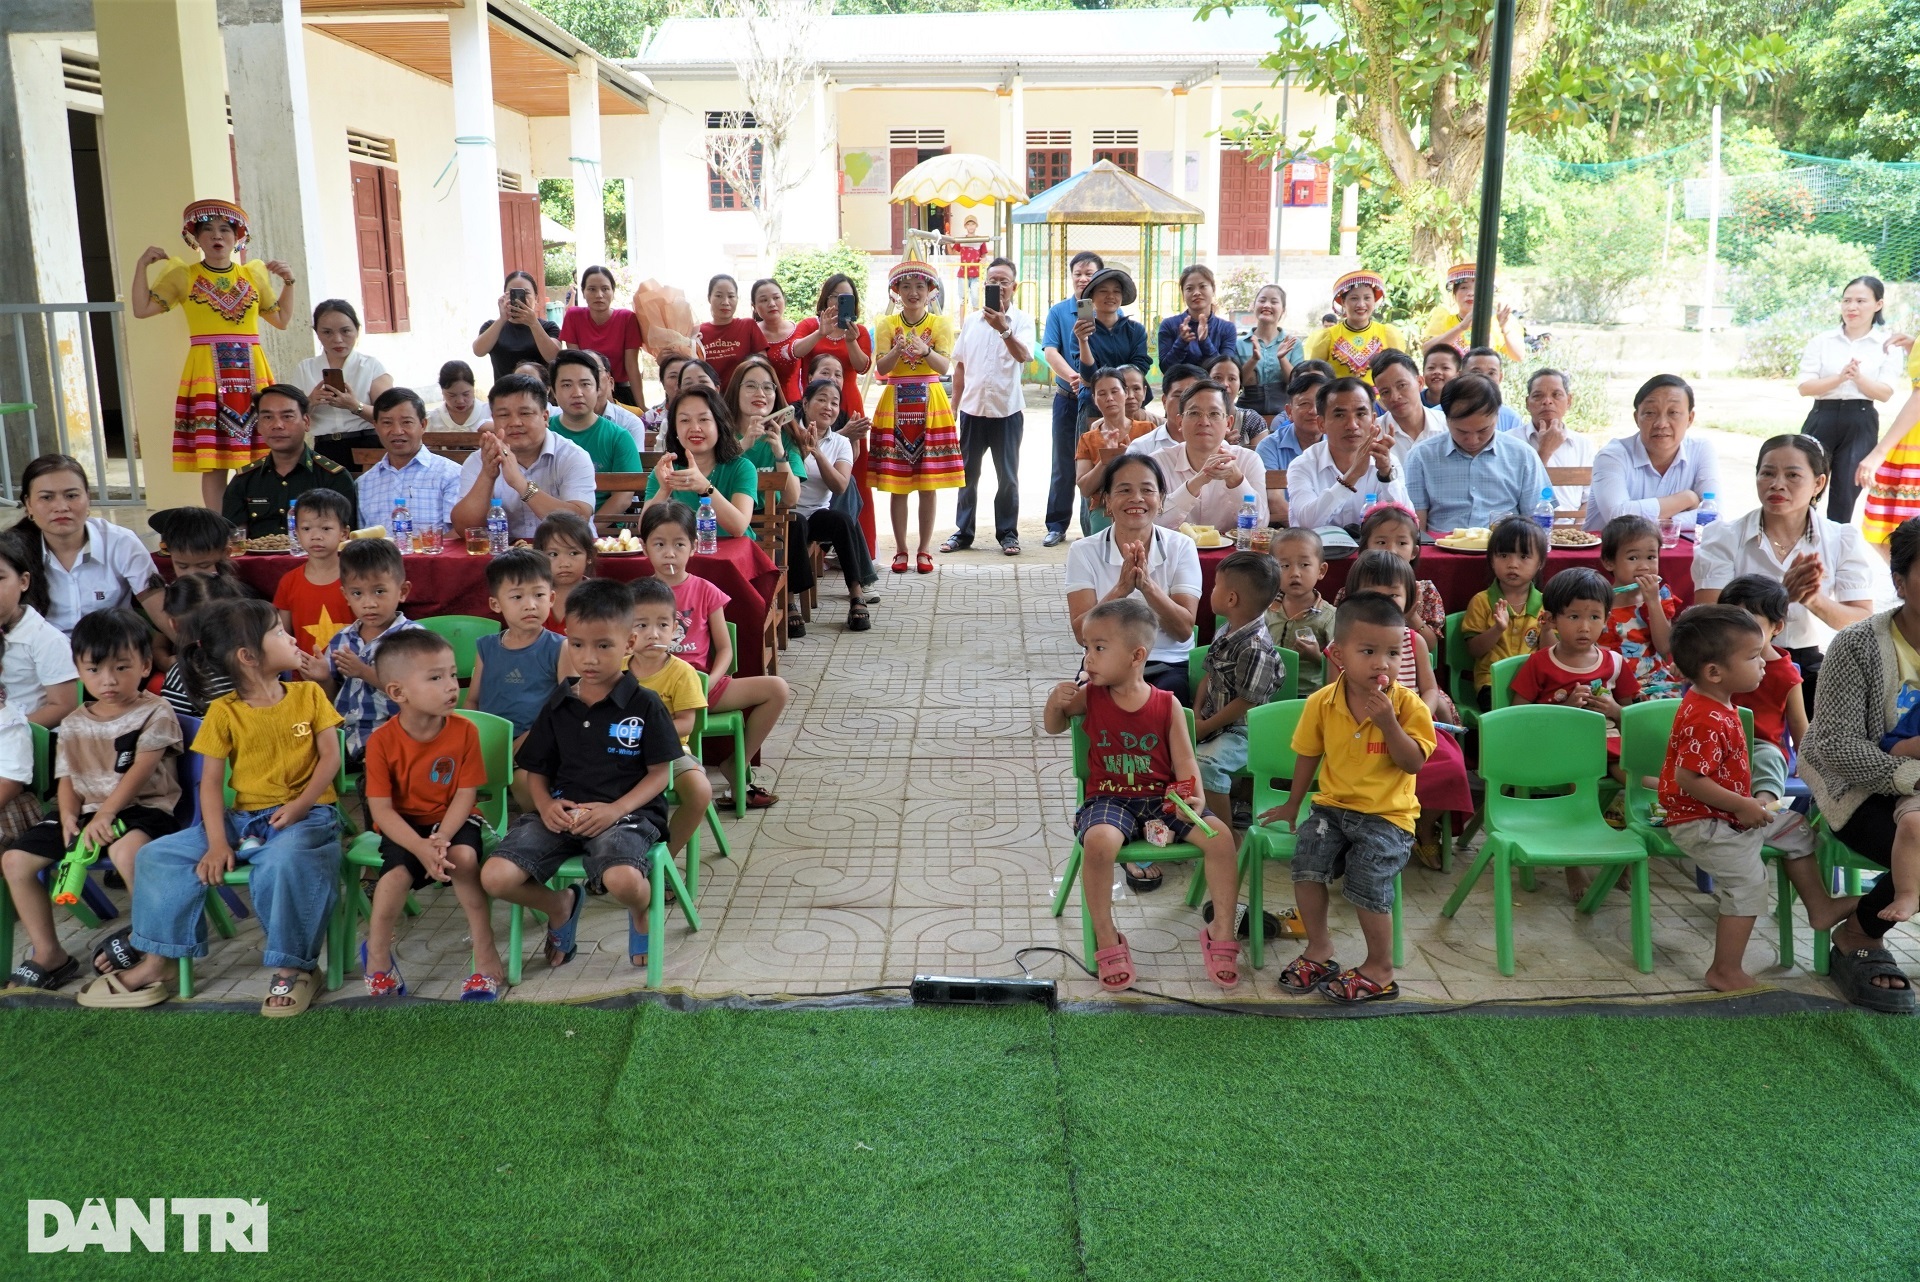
(599, 752)
(258, 496)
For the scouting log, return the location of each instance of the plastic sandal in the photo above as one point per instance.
(899, 562)
(481, 988)
(31, 974)
(563, 942)
(119, 951)
(1303, 974)
(299, 987)
(923, 563)
(1222, 959)
(110, 992)
(382, 983)
(1351, 988)
(1115, 966)
(759, 798)
(636, 944)
(858, 619)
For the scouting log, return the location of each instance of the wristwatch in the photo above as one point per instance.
(709, 492)
(527, 494)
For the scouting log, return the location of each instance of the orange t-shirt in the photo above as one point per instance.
(421, 778)
(319, 609)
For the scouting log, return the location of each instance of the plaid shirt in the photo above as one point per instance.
(1241, 664)
(364, 707)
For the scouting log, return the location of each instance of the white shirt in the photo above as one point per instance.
(1576, 449)
(112, 569)
(438, 420)
(1173, 562)
(1217, 504)
(1830, 352)
(1153, 442)
(1315, 495)
(627, 421)
(563, 470)
(1625, 484)
(991, 386)
(37, 656)
(1731, 547)
(1436, 423)
(359, 371)
(814, 494)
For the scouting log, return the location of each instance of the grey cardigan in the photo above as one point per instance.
(1842, 760)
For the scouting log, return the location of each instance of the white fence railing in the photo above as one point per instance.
(66, 370)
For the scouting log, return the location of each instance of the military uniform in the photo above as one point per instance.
(258, 497)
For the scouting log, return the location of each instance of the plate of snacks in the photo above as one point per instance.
(1203, 536)
(270, 543)
(625, 543)
(1572, 536)
(1471, 538)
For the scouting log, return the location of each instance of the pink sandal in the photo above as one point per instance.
(1115, 966)
(1222, 957)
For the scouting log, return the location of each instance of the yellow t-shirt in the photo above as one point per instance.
(1913, 366)
(1521, 637)
(1443, 318)
(224, 302)
(1351, 351)
(678, 686)
(1355, 771)
(935, 331)
(273, 751)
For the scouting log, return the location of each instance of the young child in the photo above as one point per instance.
(567, 542)
(1351, 344)
(459, 409)
(198, 541)
(36, 662)
(1439, 365)
(187, 597)
(1778, 703)
(1641, 621)
(375, 578)
(1504, 621)
(667, 531)
(1576, 669)
(311, 603)
(117, 762)
(914, 447)
(1242, 672)
(971, 250)
(659, 669)
(278, 740)
(515, 670)
(598, 759)
(1103, 441)
(424, 774)
(1705, 788)
(1300, 619)
(1389, 527)
(1442, 783)
(1138, 752)
(1369, 737)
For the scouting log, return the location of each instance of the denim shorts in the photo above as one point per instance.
(1130, 816)
(538, 851)
(1220, 756)
(1365, 851)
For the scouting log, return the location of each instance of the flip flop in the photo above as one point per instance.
(110, 992)
(636, 943)
(1146, 883)
(119, 951)
(31, 974)
(564, 940)
(1115, 966)
(298, 986)
(481, 988)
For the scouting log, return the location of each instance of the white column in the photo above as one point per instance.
(273, 145)
(1178, 183)
(1210, 177)
(1350, 220)
(1017, 126)
(478, 176)
(1004, 96)
(583, 115)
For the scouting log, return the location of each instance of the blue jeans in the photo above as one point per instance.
(1061, 490)
(295, 878)
(1002, 436)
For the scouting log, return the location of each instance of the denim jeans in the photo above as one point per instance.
(1002, 436)
(1061, 491)
(295, 877)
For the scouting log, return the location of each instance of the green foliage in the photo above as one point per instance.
(1597, 243)
(560, 261)
(1386, 246)
(556, 202)
(1861, 88)
(1796, 270)
(799, 275)
(1774, 345)
(615, 28)
(1238, 287)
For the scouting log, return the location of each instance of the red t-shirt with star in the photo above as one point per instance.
(1709, 740)
(318, 609)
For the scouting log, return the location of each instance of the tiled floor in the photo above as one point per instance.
(925, 815)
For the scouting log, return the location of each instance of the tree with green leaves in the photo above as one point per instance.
(1860, 85)
(615, 28)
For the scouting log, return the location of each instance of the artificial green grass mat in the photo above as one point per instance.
(541, 1141)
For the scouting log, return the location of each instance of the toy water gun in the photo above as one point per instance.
(71, 877)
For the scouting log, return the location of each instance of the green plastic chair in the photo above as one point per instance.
(662, 873)
(734, 724)
(1501, 691)
(1533, 831)
(1835, 856)
(1459, 687)
(695, 742)
(463, 633)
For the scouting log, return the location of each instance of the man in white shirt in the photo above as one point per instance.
(1173, 389)
(429, 482)
(987, 359)
(1397, 386)
(1207, 479)
(533, 471)
(1330, 483)
(1549, 396)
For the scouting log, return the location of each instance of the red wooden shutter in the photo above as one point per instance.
(396, 250)
(520, 235)
(370, 235)
(1246, 194)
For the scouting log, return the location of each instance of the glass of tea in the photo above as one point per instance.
(478, 544)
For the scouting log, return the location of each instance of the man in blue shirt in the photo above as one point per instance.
(1062, 353)
(1463, 478)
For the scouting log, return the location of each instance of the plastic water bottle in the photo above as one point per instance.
(293, 534)
(496, 528)
(400, 526)
(1707, 513)
(706, 527)
(1543, 510)
(1249, 522)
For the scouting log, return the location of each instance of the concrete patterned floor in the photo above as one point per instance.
(925, 817)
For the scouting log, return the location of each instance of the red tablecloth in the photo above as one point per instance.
(1459, 575)
(455, 583)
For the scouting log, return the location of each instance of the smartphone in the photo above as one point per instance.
(335, 379)
(779, 419)
(844, 306)
(994, 302)
(520, 295)
(1085, 310)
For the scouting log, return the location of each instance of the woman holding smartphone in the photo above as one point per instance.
(519, 332)
(343, 384)
(835, 330)
(770, 441)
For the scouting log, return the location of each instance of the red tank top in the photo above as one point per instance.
(1127, 752)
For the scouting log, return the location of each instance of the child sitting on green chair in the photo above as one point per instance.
(1242, 672)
